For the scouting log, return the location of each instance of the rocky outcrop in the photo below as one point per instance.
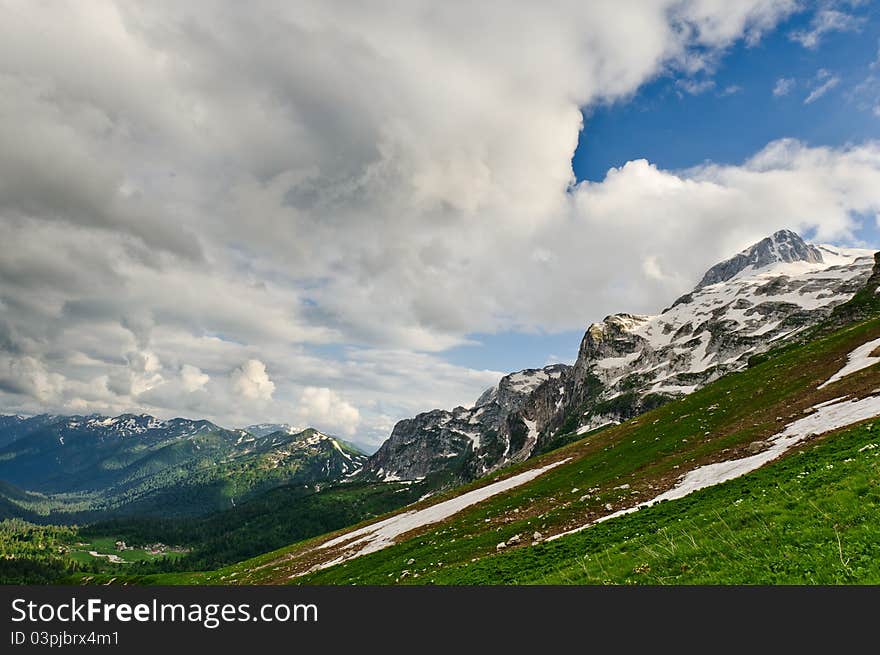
(465, 443)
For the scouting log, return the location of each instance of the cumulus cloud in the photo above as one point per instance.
(208, 210)
(322, 407)
(252, 381)
(192, 378)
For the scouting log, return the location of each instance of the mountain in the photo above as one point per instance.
(768, 475)
(783, 246)
(263, 429)
(466, 443)
(138, 463)
(629, 363)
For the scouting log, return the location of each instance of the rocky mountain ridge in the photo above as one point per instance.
(629, 363)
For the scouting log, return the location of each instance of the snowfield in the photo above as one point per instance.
(827, 417)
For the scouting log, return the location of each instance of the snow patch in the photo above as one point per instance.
(857, 360)
(377, 536)
(827, 418)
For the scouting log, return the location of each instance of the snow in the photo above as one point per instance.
(826, 418)
(856, 360)
(833, 401)
(339, 448)
(589, 428)
(473, 436)
(382, 534)
(526, 382)
(674, 388)
(532, 437)
(764, 329)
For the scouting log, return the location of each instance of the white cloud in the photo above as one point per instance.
(339, 201)
(695, 87)
(783, 86)
(824, 22)
(322, 407)
(825, 81)
(252, 381)
(192, 378)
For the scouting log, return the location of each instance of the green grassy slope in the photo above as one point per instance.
(810, 518)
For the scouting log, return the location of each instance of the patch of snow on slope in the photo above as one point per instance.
(589, 428)
(826, 418)
(857, 360)
(532, 437)
(377, 536)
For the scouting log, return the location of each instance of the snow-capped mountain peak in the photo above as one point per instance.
(783, 246)
(630, 363)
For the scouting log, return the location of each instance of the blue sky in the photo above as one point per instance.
(739, 114)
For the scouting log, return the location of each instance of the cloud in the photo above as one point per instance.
(826, 21)
(695, 87)
(320, 406)
(206, 210)
(28, 376)
(825, 81)
(252, 382)
(783, 86)
(193, 379)
(730, 90)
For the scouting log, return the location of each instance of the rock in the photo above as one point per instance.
(609, 506)
(537, 537)
(501, 546)
(410, 561)
(515, 539)
(758, 446)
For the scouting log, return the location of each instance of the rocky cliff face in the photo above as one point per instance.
(468, 442)
(630, 363)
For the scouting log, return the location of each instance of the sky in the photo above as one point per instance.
(335, 215)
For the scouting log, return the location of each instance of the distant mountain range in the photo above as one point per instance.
(138, 463)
